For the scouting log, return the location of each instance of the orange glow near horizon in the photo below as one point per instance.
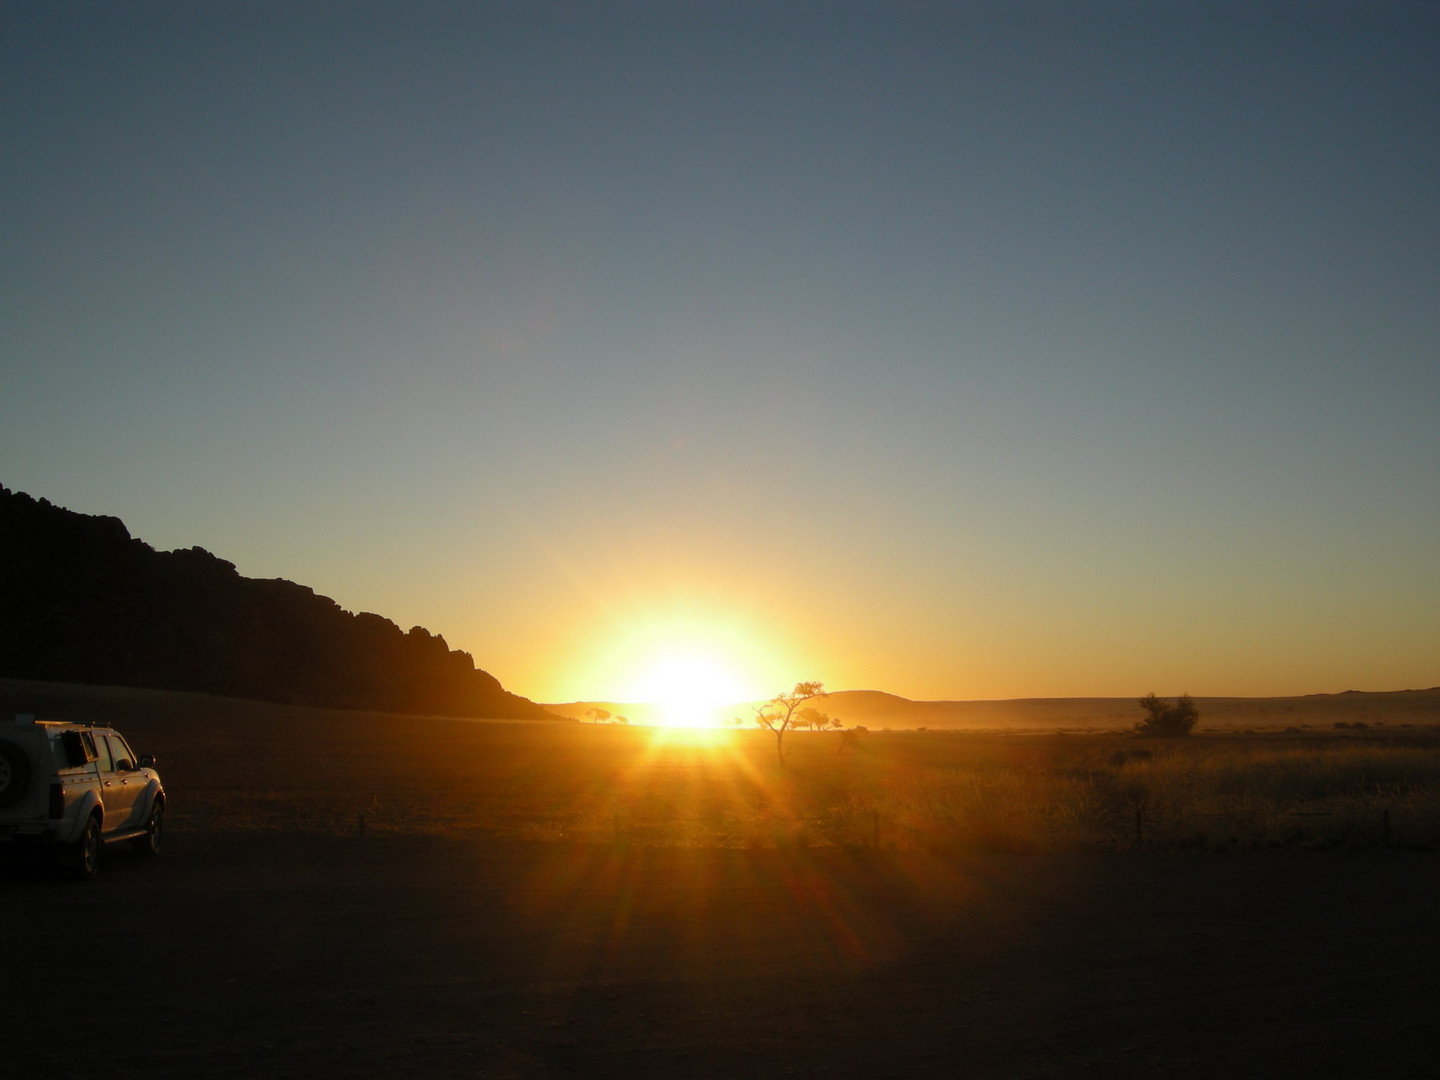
(692, 667)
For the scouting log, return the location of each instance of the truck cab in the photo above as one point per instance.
(73, 788)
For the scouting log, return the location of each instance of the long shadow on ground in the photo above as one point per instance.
(278, 955)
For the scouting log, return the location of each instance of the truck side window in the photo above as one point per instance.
(124, 756)
(73, 749)
(102, 754)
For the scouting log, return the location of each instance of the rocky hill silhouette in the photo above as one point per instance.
(82, 601)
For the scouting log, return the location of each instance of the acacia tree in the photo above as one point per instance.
(813, 719)
(1167, 720)
(779, 713)
(597, 715)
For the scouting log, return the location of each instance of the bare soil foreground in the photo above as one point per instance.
(281, 955)
(518, 906)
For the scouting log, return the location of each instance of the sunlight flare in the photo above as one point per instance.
(690, 689)
(691, 665)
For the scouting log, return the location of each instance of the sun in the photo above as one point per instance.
(690, 689)
(676, 665)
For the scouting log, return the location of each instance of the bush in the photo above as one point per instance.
(1167, 720)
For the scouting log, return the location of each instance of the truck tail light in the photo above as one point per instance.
(57, 799)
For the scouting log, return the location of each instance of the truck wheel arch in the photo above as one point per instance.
(90, 806)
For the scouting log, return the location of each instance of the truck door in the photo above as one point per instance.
(111, 793)
(129, 782)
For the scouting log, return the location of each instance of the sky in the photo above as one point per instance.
(969, 350)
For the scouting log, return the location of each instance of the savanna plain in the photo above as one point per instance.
(366, 895)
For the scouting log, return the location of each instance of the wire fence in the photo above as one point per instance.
(1128, 828)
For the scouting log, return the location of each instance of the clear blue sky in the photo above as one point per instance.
(957, 350)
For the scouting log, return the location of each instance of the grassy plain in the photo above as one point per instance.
(245, 766)
(562, 901)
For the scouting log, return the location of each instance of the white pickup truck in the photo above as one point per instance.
(75, 788)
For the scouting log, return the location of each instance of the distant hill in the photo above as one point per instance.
(875, 709)
(878, 711)
(81, 601)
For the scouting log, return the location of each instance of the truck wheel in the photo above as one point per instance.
(14, 773)
(84, 854)
(149, 844)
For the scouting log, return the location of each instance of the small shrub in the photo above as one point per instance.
(1165, 719)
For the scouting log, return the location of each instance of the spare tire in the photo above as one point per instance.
(14, 773)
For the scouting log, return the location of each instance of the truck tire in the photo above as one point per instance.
(14, 773)
(149, 844)
(84, 855)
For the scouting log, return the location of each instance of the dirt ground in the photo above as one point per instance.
(282, 955)
(270, 940)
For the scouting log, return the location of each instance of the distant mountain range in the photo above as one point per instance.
(81, 601)
(878, 711)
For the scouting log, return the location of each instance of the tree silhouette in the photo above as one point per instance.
(1166, 720)
(597, 715)
(779, 713)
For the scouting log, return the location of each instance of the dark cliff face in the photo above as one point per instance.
(82, 601)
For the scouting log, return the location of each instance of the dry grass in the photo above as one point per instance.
(242, 766)
(934, 792)
(956, 792)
